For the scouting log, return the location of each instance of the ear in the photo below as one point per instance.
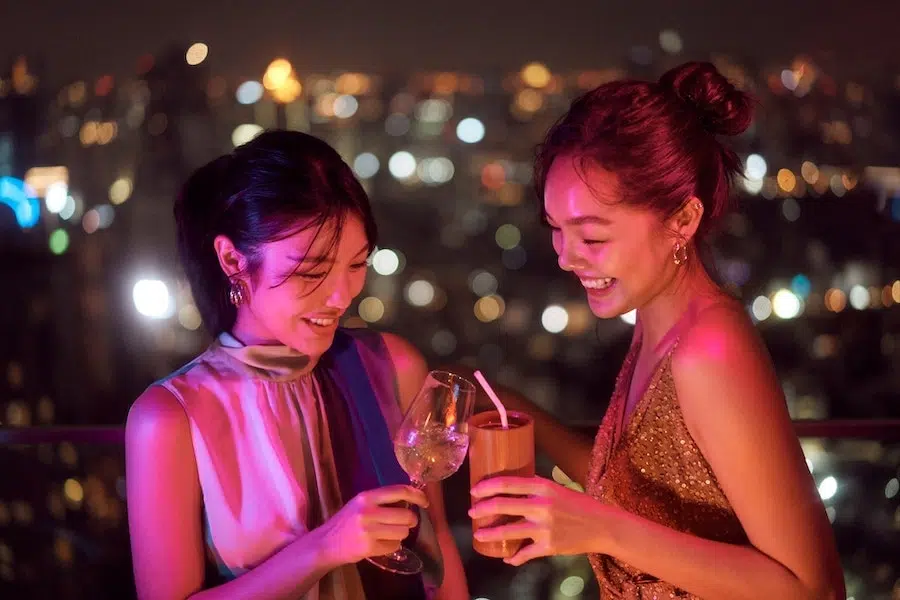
(230, 258)
(686, 221)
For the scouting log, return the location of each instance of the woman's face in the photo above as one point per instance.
(305, 283)
(622, 255)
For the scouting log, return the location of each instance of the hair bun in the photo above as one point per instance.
(721, 108)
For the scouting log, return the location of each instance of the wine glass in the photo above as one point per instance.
(430, 445)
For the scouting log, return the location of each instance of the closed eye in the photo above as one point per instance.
(312, 276)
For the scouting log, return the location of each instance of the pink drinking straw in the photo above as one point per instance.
(490, 392)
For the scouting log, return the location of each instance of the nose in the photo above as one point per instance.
(569, 259)
(340, 295)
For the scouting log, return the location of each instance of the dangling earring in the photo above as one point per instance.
(236, 293)
(680, 253)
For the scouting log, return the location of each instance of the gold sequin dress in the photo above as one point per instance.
(654, 470)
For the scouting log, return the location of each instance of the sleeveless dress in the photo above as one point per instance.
(271, 464)
(655, 470)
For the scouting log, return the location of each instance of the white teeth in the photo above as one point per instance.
(322, 322)
(597, 284)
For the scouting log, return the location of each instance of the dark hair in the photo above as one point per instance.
(278, 184)
(660, 139)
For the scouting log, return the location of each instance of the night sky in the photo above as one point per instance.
(92, 37)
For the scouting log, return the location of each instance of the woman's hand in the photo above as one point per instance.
(366, 526)
(557, 519)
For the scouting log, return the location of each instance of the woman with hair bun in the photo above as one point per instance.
(696, 486)
(264, 468)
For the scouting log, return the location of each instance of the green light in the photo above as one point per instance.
(508, 236)
(59, 241)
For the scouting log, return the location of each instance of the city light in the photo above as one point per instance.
(828, 488)
(554, 318)
(385, 261)
(571, 586)
(755, 167)
(859, 297)
(196, 54)
(152, 299)
(277, 74)
(40, 179)
(420, 293)
(435, 171)
(761, 308)
(55, 197)
(120, 190)
(371, 309)
(482, 283)
(366, 165)
(489, 308)
(786, 304)
(245, 133)
(68, 209)
(536, 75)
(508, 236)
(402, 165)
(21, 199)
(249, 92)
(670, 41)
(345, 106)
(59, 241)
(470, 130)
(281, 81)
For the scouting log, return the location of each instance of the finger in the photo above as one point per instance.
(382, 548)
(391, 516)
(526, 486)
(524, 530)
(529, 552)
(388, 533)
(535, 509)
(395, 493)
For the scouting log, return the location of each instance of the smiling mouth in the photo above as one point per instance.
(600, 283)
(321, 322)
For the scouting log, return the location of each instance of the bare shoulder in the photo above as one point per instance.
(721, 332)
(409, 364)
(155, 416)
(722, 371)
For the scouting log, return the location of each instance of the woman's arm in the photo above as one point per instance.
(734, 409)
(569, 449)
(164, 515)
(411, 372)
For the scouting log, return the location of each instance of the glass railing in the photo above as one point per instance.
(63, 527)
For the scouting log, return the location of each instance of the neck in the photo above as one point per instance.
(246, 330)
(658, 316)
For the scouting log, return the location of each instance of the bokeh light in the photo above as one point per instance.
(152, 299)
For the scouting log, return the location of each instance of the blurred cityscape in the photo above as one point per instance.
(96, 306)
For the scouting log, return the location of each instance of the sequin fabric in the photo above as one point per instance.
(654, 470)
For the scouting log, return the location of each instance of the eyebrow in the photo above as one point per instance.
(585, 220)
(320, 259)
